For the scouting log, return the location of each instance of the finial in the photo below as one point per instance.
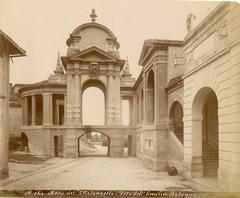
(189, 21)
(93, 15)
(126, 70)
(59, 67)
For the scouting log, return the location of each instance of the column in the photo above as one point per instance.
(144, 100)
(57, 114)
(134, 109)
(26, 111)
(47, 109)
(139, 109)
(121, 99)
(130, 111)
(33, 110)
(65, 107)
(50, 109)
(23, 107)
(4, 115)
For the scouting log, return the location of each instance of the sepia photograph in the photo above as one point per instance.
(130, 98)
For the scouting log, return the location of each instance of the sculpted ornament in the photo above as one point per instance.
(190, 58)
(222, 29)
(94, 68)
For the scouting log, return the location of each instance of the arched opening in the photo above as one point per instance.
(24, 142)
(93, 144)
(176, 121)
(93, 103)
(150, 98)
(205, 130)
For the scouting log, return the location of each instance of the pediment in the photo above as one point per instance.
(93, 54)
(145, 52)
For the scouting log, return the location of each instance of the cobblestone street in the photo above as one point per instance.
(96, 173)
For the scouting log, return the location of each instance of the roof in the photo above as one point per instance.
(150, 44)
(174, 82)
(14, 49)
(89, 25)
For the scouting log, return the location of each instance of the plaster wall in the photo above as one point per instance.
(15, 121)
(217, 67)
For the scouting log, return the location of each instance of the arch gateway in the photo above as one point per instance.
(183, 107)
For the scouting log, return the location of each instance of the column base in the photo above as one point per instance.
(4, 173)
(193, 169)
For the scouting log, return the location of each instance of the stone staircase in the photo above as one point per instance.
(86, 145)
(210, 160)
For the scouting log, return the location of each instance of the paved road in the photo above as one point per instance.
(99, 173)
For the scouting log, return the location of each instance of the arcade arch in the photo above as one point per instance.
(176, 120)
(205, 128)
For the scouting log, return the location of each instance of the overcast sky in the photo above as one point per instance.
(42, 27)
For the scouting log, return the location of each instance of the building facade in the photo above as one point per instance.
(8, 49)
(183, 107)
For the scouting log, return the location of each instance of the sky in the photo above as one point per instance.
(41, 27)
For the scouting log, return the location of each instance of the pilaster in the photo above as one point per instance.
(76, 107)
(70, 97)
(110, 102)
(117, 103)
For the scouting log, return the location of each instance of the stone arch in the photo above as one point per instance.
(176, 120)
(176, 98)
(150, 98)
(106, 141)
(205, 132)
(101, 108)
(93, 83)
